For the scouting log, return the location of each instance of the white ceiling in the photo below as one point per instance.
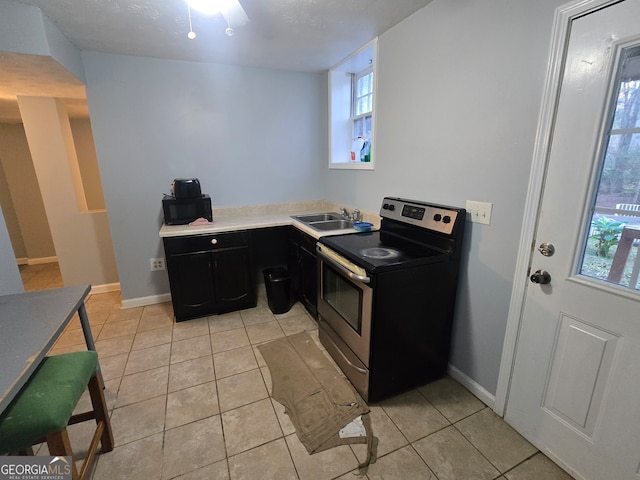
(301, 35)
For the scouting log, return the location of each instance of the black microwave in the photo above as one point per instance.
(180, 211)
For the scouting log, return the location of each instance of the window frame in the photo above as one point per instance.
(342, 93)
(355, 116)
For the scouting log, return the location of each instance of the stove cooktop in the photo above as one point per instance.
(375, 251)
(411, 233)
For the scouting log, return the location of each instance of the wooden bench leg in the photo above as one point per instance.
(101, 412)
(60, 446)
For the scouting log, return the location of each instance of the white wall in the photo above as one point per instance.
(459, 94)
(88, 163)
(24, 29)
(10, 280)
(86, 241)
(459, 91)
(22, 203)
(82, 239)
(6, 203)
(252, 136)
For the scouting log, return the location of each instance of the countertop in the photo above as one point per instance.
(31, 324)
(247, 218)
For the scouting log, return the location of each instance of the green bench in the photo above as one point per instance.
(44, 408)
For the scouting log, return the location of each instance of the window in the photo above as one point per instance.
(608, 253)
(351, 110)
(363, 102)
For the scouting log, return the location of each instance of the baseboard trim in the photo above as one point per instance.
(36, 261)
(143, 301)
(107, 287)
(483, 395)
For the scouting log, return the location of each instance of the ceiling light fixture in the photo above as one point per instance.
(191, 35)
(231, 10)
(229, 31)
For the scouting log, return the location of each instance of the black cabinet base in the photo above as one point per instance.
(193, 315)
(210, 274)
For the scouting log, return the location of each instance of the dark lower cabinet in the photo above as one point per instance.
(210, 274)
(191, 282)
(304, 269)
(269, 248)
(233, 281)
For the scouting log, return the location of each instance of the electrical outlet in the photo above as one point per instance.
(480, 212)
(156, 264)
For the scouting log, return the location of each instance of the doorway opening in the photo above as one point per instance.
(22, 202)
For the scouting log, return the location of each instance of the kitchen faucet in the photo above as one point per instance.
(354, 216)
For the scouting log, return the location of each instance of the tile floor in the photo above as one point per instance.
(40, 277)
(191, 401)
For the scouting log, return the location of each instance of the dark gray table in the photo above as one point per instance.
(30, 323)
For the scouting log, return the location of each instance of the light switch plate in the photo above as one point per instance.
(480, 212)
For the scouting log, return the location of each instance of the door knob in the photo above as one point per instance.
(541, 276)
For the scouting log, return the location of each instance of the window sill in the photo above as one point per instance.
(352, 166)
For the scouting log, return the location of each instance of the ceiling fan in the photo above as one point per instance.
(231, 10)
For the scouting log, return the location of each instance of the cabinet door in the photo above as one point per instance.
(309, 280)
(293, 264)
(191, 279)
(232, 279)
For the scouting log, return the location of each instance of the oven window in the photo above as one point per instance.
(343, 296)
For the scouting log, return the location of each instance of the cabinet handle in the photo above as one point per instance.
(214, 241)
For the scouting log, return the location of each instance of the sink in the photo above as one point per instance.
(331, 225)
(318, 217)
(324, 221)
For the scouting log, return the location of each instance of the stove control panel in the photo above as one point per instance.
(438, 218)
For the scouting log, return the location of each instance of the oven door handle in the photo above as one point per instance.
(343, 269)
(355, 367)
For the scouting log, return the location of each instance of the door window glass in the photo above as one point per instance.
(611, 249)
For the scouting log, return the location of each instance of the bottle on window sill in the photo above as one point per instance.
(366, 152)
(356, 149)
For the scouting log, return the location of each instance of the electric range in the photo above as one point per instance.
(386, 298)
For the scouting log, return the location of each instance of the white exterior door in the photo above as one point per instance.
(575, 387)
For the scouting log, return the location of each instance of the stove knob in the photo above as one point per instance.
(385, 206)
(446, 219)
(437, 217)
(392, 207)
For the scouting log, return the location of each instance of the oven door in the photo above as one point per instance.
(345, 301)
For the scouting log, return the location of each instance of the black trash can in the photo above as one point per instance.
(278, 284)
